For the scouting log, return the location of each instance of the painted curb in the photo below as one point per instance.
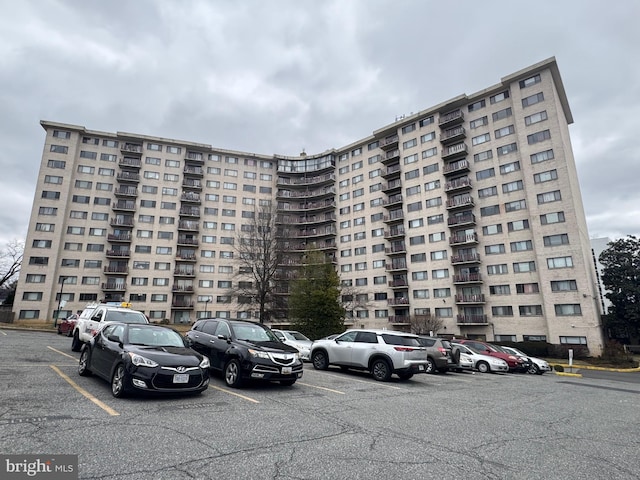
(602, 369)
(563, 374)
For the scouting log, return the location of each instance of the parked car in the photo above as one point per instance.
(94, 317)
(381, 352)
(66, 326)
(516, 363)
(244, 350)
(144, 358)
(480, 362)
(538, 365)
(438, 354)
(297, 340)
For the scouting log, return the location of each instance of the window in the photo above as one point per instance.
(522, 267)
(412, 174)
(530, 310)
(433, 219)
(52, 195)
(545, 176)
(417, 223)
(412, 159)
(509, 167)
(500, 269)
(532, 100)
(487, 173)
(89, 155)
(538, 137)
(573, 340)
(428, 137)
(433, 202)
(59, 149)
(504, 131)
(408, 128)
(152, 161)
(152, 175)
(501, 114)
(512, 186)
(419, 275)
(434, 167)
(480, 139)
(431, 185)
(414, 207)
(436, 237)
(502, 311)
(477, 105)
(441, 292)
(542, 156)
(549, 218)
(56, 164)
(86, 169)
(568, 309)
(527, 288)
(490, 210)
(564, 286)
(487, 192)
(516, 205)
(54, 179)
(421, 294)
(518, 225)
(426, 121)
(506, 149)
(410, 143)
(479, 122)
(549, 197)
(494, 249)
(499, 290)
(418, 240)
(535, 118)
(51, 211)
(559, 262)
(429, 153)
(418, 257)
(555, 240)
(439, 255)
(527, 82)
(499, 97)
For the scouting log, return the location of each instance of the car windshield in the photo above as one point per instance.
(254, 333)
(299, 336)
(155, 337)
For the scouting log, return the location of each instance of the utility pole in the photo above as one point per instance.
(55, 320)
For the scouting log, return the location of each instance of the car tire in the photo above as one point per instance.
(455, 355)
(118, 382)
(430, 367)
(405, 375)
(287, 383)
(69, 333)
(59, 331)
(381, 370)
(233, 373)
(483, 367)
(320, 360)
(533, 369)
(76, 344)
(83, 363)
(443, 370)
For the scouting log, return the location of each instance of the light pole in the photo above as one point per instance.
(55, 320)
(206, 303)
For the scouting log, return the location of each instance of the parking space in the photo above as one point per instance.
(330, 424)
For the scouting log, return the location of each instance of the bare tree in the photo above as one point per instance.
(10, 262)
(353, 299)
(260, 250)
(425, 324)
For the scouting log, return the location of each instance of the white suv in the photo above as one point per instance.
(381, 352)
(94, 317)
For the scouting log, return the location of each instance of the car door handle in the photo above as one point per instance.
(212, 341)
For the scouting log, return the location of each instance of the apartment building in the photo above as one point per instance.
(469, 211)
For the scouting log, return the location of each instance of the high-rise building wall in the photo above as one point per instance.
(469, 211)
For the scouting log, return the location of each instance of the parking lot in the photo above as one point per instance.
(330, 424)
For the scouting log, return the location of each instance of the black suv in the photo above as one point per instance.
(244, 350)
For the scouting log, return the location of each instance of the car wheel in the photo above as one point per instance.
(405, 376)
(232, 373)
(76, 344)
(59, 331)
(287, 383)
(430, 367)
(455, 355)
(69, 333)
(533, 368)
(118, 380)
(483, 367)
(83, 364)
(320, 360)
(381, 370)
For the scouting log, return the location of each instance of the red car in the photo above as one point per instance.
(66, 326)
(516, 363)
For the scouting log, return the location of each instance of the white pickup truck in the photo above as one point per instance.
(95, 316)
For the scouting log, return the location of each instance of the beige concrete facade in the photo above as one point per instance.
(469, 210)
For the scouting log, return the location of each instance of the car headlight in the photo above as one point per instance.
(204, 364)
(140, 361)
(258, 353)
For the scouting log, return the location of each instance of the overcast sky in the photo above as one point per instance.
(281, 76)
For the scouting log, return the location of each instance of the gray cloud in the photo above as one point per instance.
(279, 77)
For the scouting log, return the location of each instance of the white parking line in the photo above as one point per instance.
(244, 397)
(350, 379)
(83, 392)
(61, 353)
(3, 332)
(321, 388)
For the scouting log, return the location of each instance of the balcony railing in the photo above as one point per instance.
(461, 239)
(461, 219)
(455, 167)
(125, 191)
(457, 116)
(399, 283)
(394, 232)
(128, 177)
(397, 301)
(307, 180)
(458, 183)
(472, 319)
(454, 150)
(399, 319)
(467, 278)
(453, 134)
(474, 298)
(130, 162)
(389, 142)
(131, 148)
(461, 201)
(465, 258)
(118, 253)
(121, 237)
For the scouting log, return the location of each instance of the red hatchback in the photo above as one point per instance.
(66, 326)
(516, 364)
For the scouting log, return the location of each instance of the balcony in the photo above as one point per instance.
(392, 201)
(460, 220)
(389, 142)
(390, 156)
(399, 283)
(131, 148)
(396, 249)
(190, 197)
(182, 288)
(399, 319)
(396, 266)
(391, 171)
(182, 304)
(186, 257)
(128, 177)
(190, 212)
(116, 270)
(302, 181)
(470, 320)
(189, 225)
(451, 118)
(124, 205)
(467, 278)
(284, 194)
(308, 206)
(463, 239)
(114, 253)
(306, 219)
(317, 232)
(394, 216)
(195, 157)
(474, 298)
(453, 134)
(114, 287)
(119, 237)
(392, 302)
(125, 191)
(453, 151)
(461, 166)
(184, 272)
(392, 185)
(394, 232)
(192, 184)
(129, 162)
(460, 202)
(182, 240)
(465, 258)
(328, 244)
(121, 222)
(193, 171)
(462, 183)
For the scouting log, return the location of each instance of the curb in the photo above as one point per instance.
(563, 374)
(602, 369)
(27, 329)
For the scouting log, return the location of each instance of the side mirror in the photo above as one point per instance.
(188, 342)
(114, 338)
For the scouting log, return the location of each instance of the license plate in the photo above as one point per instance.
(286, 370)
(421, 368)
(181, 378)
